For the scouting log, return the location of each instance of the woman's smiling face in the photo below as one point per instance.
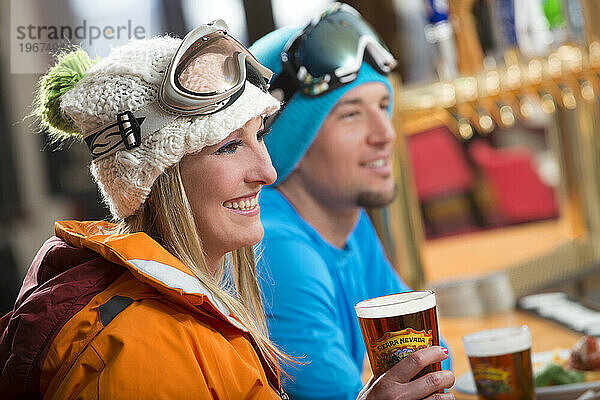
(222, 183)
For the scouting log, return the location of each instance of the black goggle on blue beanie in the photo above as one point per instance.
(297, 125)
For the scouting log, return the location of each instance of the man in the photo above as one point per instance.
(332, 148)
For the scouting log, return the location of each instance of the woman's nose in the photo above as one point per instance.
(263, 170)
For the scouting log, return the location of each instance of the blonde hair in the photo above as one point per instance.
(167, 217)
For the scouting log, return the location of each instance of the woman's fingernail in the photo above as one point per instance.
(445, 350)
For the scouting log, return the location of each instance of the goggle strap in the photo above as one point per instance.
(255, 77)
(156, 118)
(128, 131)
(287, 83)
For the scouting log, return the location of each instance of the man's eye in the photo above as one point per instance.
(349, 114)
(228, 148)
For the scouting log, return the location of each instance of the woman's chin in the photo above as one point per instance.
(249, 240)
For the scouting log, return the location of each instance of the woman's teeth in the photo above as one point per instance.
(376, 164)
(242, 204)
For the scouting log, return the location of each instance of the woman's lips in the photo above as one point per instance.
(243, 204)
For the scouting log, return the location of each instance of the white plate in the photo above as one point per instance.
(466, 384)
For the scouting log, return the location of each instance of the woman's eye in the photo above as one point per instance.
(384, 106)
(260, 135)
(229, 148)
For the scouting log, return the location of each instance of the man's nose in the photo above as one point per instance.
(381, 129)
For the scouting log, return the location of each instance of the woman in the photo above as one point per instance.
(164, 302)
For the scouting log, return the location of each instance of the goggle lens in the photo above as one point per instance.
(210, 65)
(330, 51)
(333, 43)
(208, 72)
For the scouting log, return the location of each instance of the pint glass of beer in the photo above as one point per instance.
(501, 363)
(396, 325)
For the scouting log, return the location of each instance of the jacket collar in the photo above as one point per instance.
(147, 260)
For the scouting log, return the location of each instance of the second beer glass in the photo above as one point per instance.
(501, 363)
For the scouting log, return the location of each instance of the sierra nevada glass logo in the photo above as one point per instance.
(395, 346)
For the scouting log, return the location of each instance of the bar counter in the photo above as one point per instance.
(546, 335)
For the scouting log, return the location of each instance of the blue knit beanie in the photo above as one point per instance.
(298, 123)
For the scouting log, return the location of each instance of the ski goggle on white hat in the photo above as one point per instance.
(206, 74)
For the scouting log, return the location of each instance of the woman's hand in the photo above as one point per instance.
(396, 384)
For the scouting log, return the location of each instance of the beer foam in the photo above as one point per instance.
(396, 304)
(497, 342)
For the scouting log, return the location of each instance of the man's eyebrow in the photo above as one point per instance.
(357, 101)
(348, 102)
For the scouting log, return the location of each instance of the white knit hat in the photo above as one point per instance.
(128, 79)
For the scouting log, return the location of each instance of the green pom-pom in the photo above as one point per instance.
(69, 69)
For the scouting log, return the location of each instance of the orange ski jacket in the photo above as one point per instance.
(118, 317)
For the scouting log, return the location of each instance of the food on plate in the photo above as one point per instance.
(554, 374)
(581, 365)
(585, 355)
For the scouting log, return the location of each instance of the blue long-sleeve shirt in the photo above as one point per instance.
(310, 288)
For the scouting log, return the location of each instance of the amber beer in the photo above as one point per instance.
(397, 325)
(501, 363)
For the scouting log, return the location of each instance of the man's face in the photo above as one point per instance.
(349, 162)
